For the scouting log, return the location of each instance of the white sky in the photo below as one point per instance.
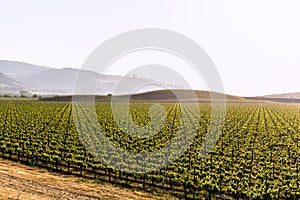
(255, 44)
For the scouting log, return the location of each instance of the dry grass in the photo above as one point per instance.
(28, 183)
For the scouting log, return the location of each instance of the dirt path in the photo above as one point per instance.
(27, 183)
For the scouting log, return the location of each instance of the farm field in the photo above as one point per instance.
(256, 156)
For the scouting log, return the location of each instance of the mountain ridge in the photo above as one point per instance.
(291, 95)
(16, 76)
(9, 84)
(52, 81)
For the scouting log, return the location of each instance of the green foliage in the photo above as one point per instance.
(256, 157)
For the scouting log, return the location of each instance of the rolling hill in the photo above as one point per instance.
(9, 85)
(278, 98)
(17, 76)
(62, 81)
(52, 81)
(293, 95)
(157, 96)
(19, 70)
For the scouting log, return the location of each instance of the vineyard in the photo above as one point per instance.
(256, 155)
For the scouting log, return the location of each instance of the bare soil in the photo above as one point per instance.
(30, 183)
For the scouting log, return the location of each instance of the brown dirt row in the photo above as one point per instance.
(30, 183)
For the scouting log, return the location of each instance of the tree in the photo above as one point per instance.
(24, 93)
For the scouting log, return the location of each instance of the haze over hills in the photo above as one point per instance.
(19, 70)
(45, 80)
(293, 95)
(281, 98)
(8, 84)
(63, 81)
(18, 76)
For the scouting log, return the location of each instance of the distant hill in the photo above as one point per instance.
(159, 95)
(9, 85)
(277, 98)
(273, 100)
(293, 95)
(62, 81)
(182, 94)
(50, 81)
(19, 70)
(57, 80)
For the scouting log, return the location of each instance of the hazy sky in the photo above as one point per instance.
(255, 44)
